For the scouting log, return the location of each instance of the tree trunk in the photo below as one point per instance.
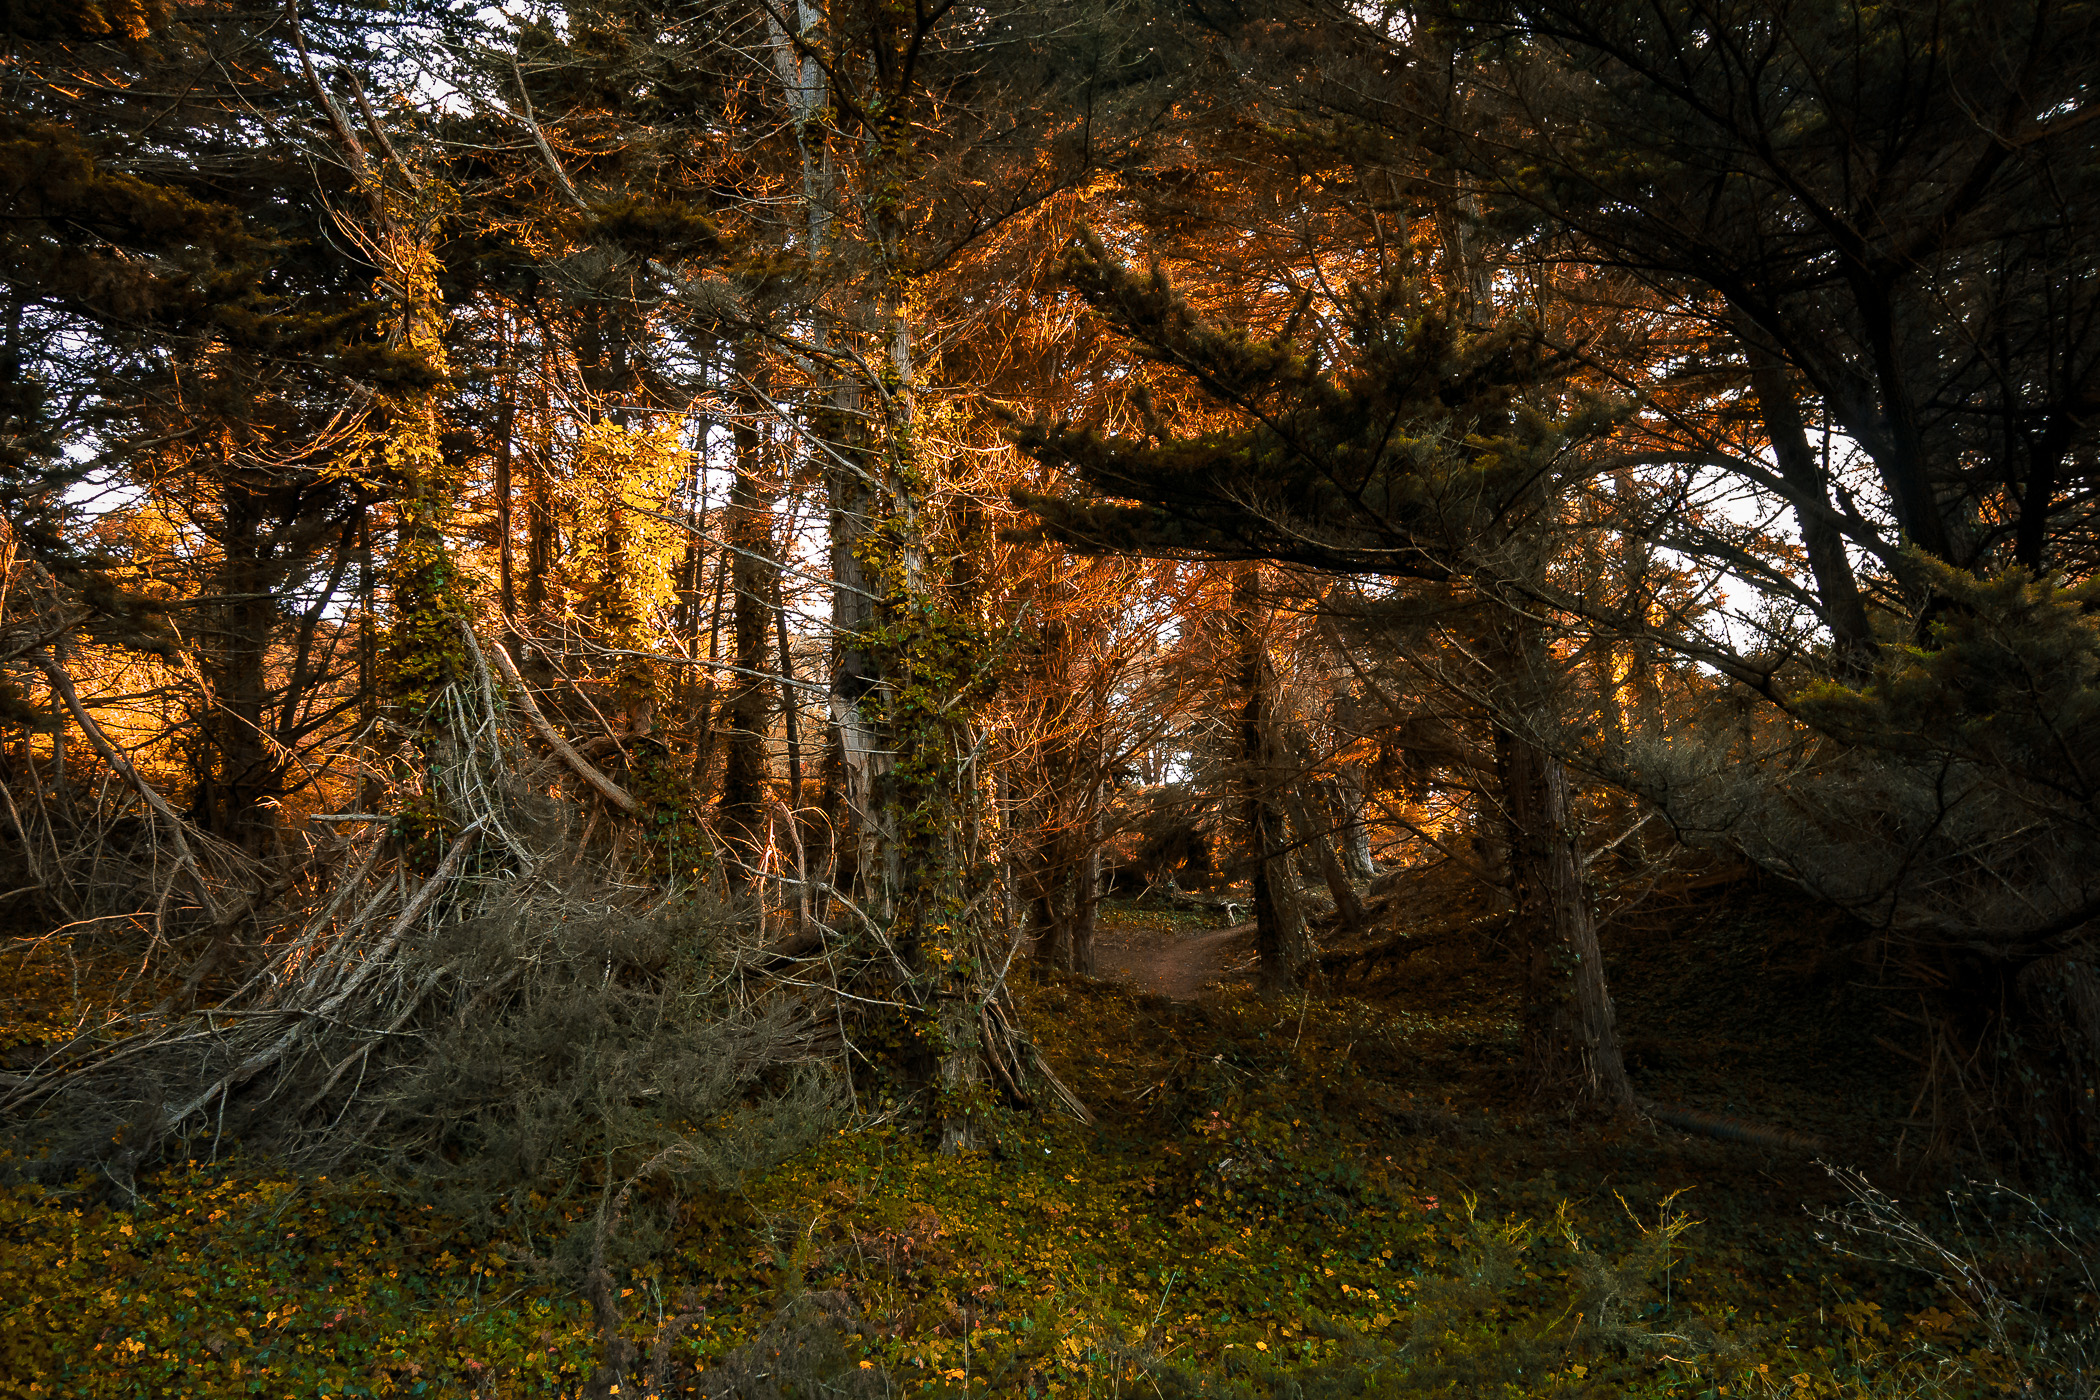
(1571, 1043)
(1050, 935)
(1355, 834)
(239, 779)
(790, 702)
(1345, 786)
(1279, 929)
(1843, 609)
(747, 705)
(1086, 904)
(1314, 836)
(506, 419)
(542, 540)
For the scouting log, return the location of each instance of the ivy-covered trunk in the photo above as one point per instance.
(399, 458)
(930, 675)
(425, 650)
(913, 663)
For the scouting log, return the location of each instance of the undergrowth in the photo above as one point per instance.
(1293, 1198)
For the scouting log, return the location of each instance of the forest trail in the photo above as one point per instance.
(1179, 966)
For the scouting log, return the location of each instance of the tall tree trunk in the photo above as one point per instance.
(1837, 588)
(1634, 565)
(240, 778)
(1049, 931)
(747, 705)
(790, 702)
(1279, 929)
(1086, 899)
(506, 420)
(704, 756)
(1571, 1043)
(367, 653)
(1065, 847)
(542, 540)
(910, 677)
(862, 759)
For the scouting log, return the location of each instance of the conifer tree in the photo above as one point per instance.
(174, 283)
(1432, 455)
(1839, 177)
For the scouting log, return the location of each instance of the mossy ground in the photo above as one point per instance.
(1344, 1193)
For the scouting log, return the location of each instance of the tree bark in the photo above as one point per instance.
(1279, 929)
(1843, 609)
(1355, 834)
(1314, 836)
(506, 419)
(1086, 903)
(747, 707)
(1571, 1043)
(239, 779)
(542, 541)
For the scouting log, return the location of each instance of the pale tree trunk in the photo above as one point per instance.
(905, 741)
(1354, 836)
(1313, 835)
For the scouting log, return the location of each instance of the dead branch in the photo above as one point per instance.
(301, 1016)
(608, 789)
(176, 827)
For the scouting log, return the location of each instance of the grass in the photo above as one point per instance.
(1339, 1194)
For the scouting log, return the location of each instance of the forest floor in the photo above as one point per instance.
(1344, 1192)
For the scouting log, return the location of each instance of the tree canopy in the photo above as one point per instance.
(666, 555)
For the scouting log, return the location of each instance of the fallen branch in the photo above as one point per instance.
(270, 1054)
(608, 789)
(1715, 1125)
(1406, 945)
(122, 766)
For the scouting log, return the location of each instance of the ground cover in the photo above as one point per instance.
(1343, 1193)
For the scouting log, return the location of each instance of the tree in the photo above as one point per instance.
(1430, 456)
(1891, 202)
(183, 328)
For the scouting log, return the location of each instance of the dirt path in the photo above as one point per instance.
(1180, 966)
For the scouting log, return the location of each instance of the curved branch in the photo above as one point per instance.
(122, 766)
(608, 789)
